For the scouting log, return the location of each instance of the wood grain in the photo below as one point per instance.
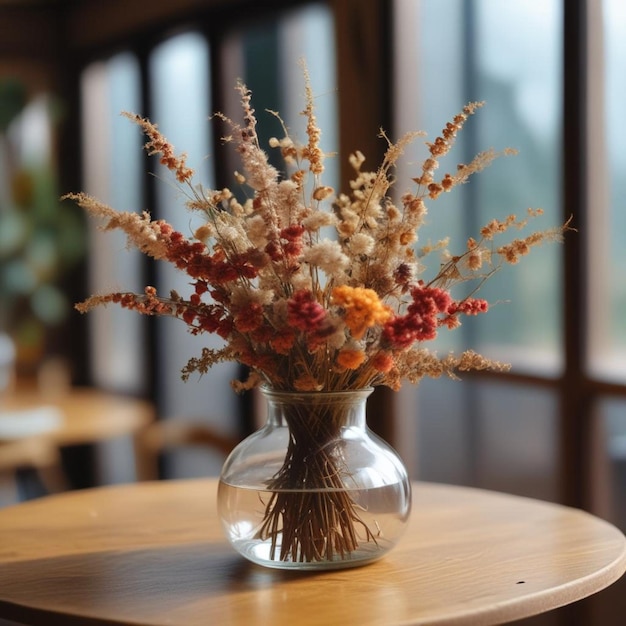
(153, 554)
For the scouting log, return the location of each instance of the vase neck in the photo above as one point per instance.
(339, 408)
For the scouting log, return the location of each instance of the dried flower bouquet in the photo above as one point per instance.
(307, 311)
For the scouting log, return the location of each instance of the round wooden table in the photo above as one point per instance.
(153, 554)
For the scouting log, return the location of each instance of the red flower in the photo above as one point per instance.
(293, 236)
(429, 301)
(289, 243)
(262, 334)
(292, 233)
(421, 321)
(225, 328)
(274, 251)
(188, 316)
(201, 287)
(304, 312)
(469, 306)
(223, 273)
(399, 332)
(249, 318)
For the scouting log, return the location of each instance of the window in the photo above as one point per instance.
(179, 75)
(606, 232)
(510, 58)
(607, 186)
(112, 168)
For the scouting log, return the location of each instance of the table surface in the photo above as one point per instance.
(87, 415)
(153, 553)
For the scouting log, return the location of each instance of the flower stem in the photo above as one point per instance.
(310, 515)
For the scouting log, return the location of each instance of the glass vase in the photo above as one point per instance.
(314, 488)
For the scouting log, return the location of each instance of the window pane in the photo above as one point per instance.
(308, 34)
(266, 54)
(507, 54)
(180, 86)
(609, 485)
(113, 172)
(519, 75)
(490, 435)
(608, 489)
(607, 223)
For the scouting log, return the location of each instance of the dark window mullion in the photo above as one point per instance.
(575, 422)
(575, 414)
(150, 327)
(364, 47)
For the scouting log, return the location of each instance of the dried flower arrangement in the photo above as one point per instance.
(310, 312)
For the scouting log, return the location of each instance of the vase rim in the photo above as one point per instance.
(271, 391)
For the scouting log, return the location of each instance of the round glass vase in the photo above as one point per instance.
(314, 488)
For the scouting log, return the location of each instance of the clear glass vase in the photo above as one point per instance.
(314, 488)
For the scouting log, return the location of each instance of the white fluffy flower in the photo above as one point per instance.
(361, 243)
(319, 219)
(301, 280)
(241, 296)
(328, 256)
(257, 230)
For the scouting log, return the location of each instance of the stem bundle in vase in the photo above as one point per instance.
(311, 515)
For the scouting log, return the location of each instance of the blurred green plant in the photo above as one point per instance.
(41, 238)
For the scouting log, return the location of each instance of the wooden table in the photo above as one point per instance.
(77, 416)
(87, 415)
(153, 554)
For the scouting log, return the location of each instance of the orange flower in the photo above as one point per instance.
(350, 359)
(382, 362)
(283, 340)
(362, 308)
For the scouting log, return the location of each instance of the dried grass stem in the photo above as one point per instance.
(310, 515)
